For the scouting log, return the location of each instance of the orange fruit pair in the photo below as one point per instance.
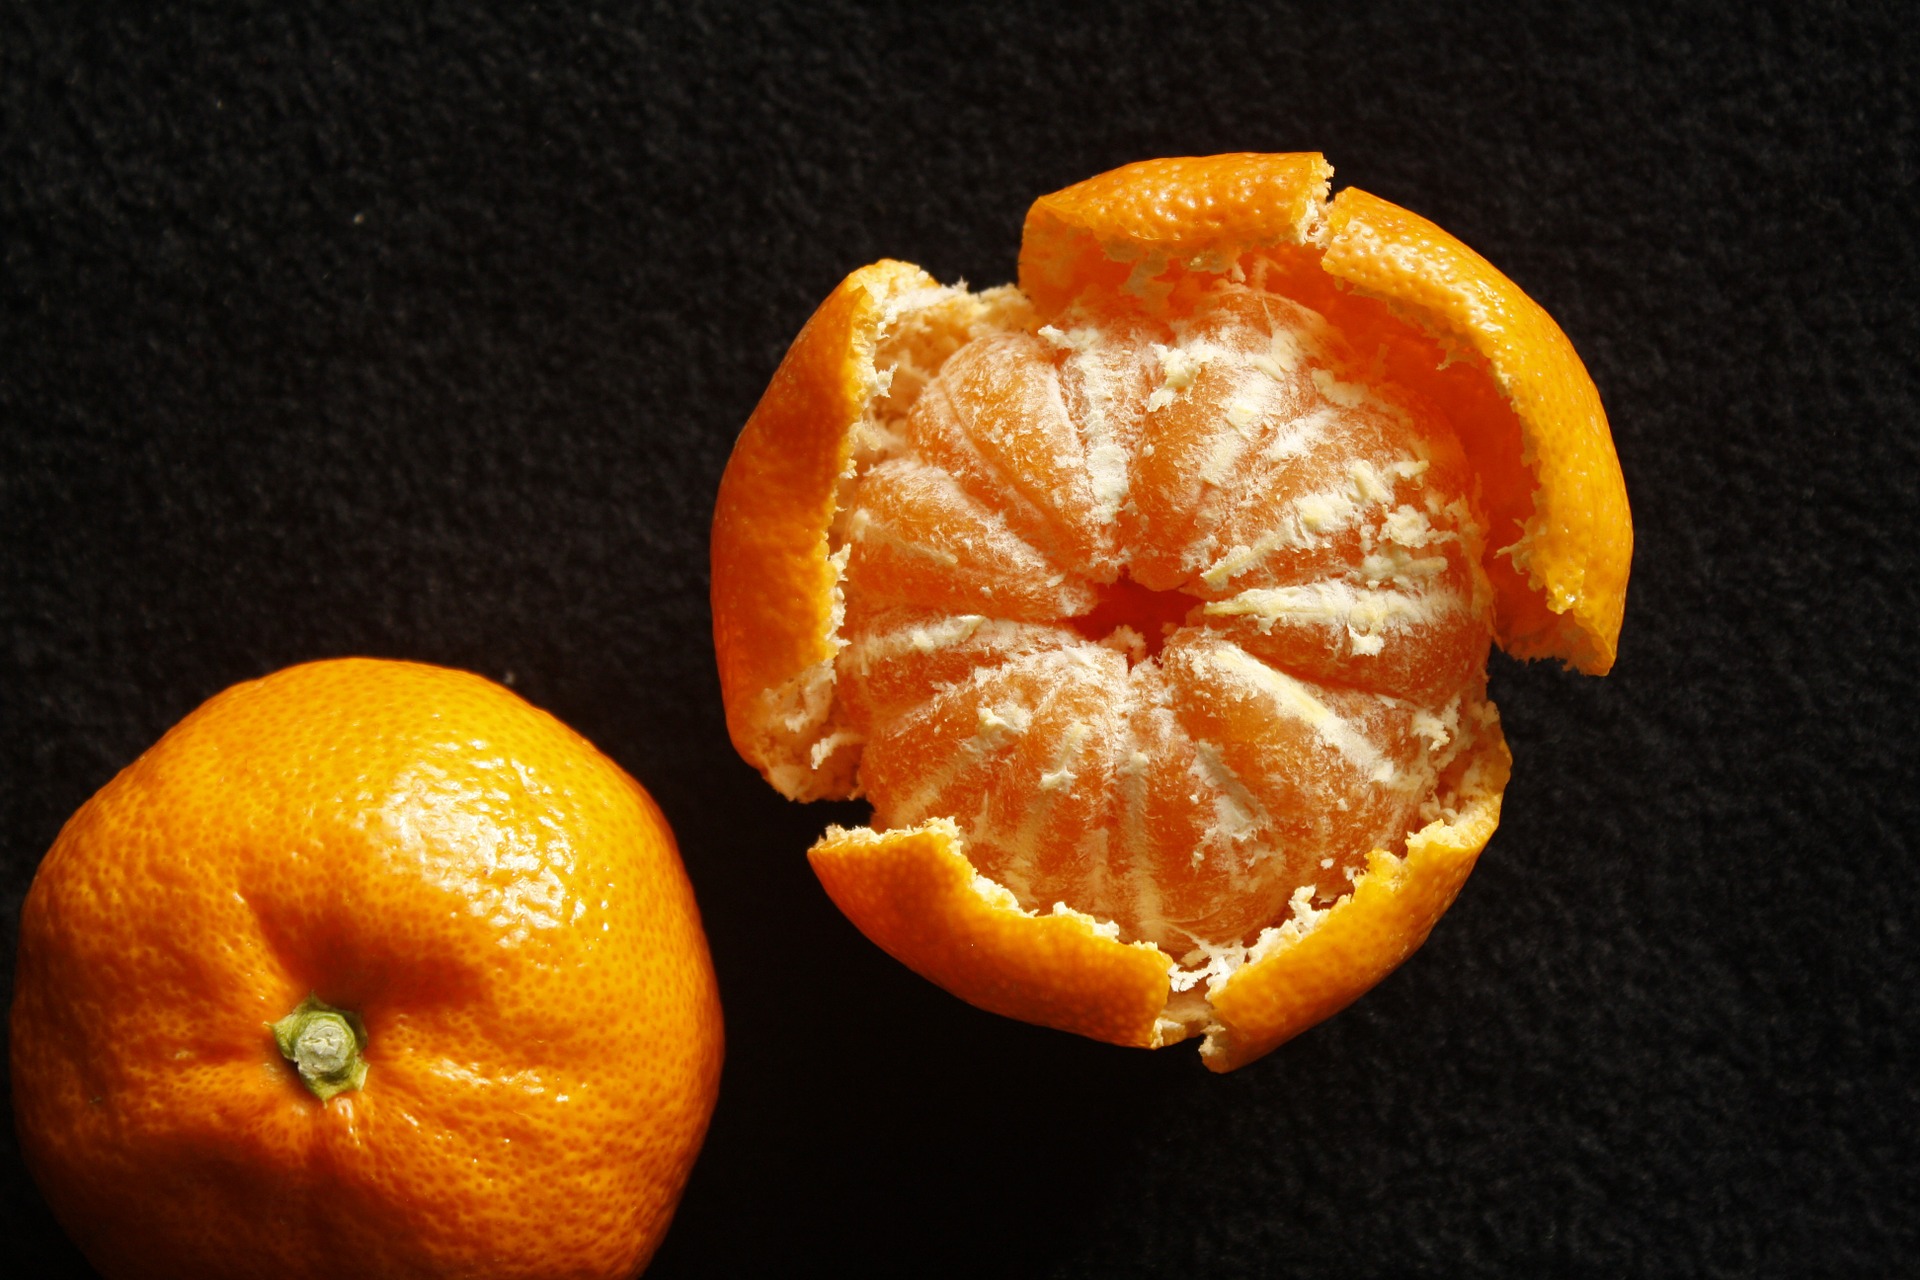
(1149, 601)
(365, 968)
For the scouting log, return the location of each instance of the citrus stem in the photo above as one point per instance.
(325, 1043)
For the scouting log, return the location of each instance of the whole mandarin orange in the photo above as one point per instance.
(365, 968)
(1149, 602)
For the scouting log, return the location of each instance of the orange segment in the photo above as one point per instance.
(1165, 827)
(894, 656)
(1161, 594)
(961, 746)
(917, 537)
(1038, 478)
(1323, 774)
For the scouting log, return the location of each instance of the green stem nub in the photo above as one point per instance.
(325, 1043)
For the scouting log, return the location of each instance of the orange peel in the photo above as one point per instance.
(1447, 324)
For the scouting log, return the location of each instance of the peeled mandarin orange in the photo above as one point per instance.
(1149, 602)
(365, 968)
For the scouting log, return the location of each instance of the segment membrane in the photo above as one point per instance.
(996, 419)
(917, 537)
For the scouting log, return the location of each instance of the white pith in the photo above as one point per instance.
(1395, 590)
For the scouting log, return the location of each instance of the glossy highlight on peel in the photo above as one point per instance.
(1149, 602)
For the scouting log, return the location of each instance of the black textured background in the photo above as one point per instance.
(424, 331)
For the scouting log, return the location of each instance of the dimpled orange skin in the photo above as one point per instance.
(501, 904)
(1446, 323)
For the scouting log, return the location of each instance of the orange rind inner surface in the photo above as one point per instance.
(1149, 603)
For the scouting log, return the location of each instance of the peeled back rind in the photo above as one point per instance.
(914, 893)
(1135, 223)
(1569, 590)
(775, 577)
(1561, 581)
(1313, 969)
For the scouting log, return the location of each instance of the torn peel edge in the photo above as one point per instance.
(915, 894)
(857, 364)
